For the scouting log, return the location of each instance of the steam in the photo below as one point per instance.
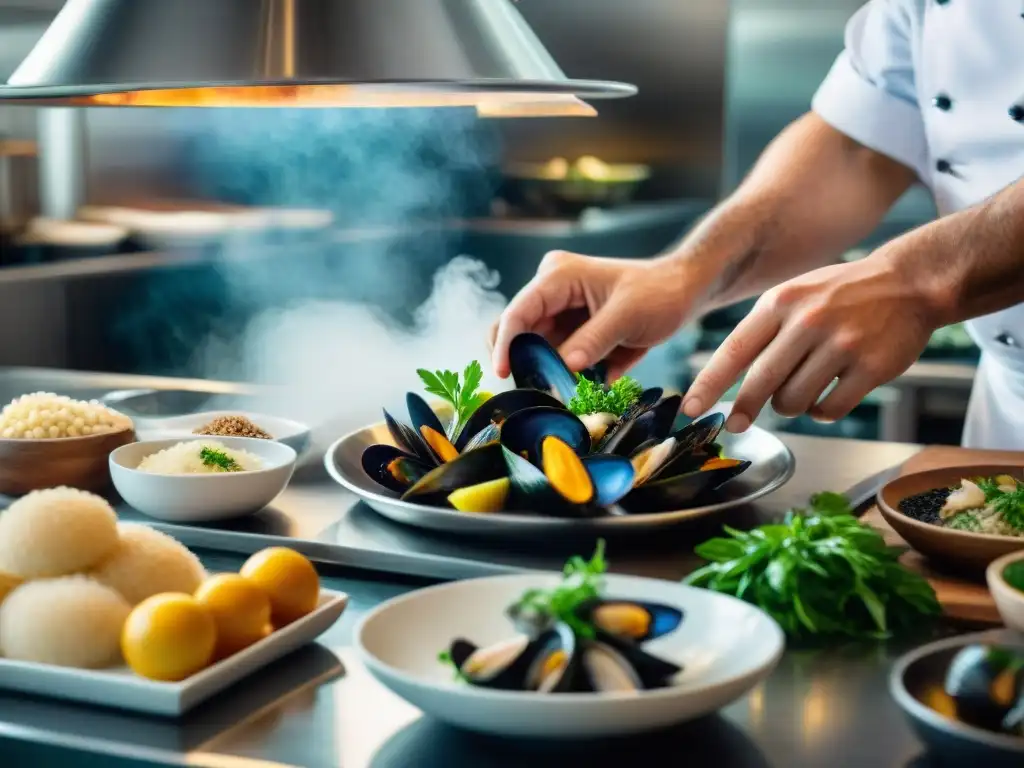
(340, 329)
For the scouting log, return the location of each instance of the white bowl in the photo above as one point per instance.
(292, 433)
(1009, 601)
(202, 498)
(725, 645)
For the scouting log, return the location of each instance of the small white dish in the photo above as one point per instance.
(725, 645)
(202, 498)
(292, 433)
(123, 689)
(1009, 600)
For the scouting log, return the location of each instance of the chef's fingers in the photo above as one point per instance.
(621, 359)
(747, 340)
(804, 387)
(597, 337)
(542, 298)
(492, 336)
(854, 385)
(769, 371)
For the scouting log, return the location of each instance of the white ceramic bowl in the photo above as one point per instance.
(202, 498)
(292, 433)
(1009, 601)
(726, 647)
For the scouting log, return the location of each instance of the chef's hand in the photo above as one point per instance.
(864, 323)
(596, 309)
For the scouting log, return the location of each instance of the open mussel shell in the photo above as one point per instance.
(637, 428)
(544, 663)
(429, 429)
(489, 434)
(630, 620)
(499, 408)
(537, 365)
(680, 491)
(985, 682)
(690, 448)
(603, 669)
(567, 486)
(408, 440)
(392, 467)
(525, 430)
(653, 671)
(471, 468)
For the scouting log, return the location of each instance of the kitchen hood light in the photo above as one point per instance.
(300, 53)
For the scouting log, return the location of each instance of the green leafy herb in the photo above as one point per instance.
(819, 573)
(446, 658)
(214, 458)
(582, 580)
(1013, 574)
(1010, 506)
(463, 396)
(591, 397)
(964, 521)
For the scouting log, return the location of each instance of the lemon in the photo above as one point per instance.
(168, 637)
(288, 579)
(484, 395)
(484, 497)
(240, 609)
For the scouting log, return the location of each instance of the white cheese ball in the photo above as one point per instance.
(46, 416)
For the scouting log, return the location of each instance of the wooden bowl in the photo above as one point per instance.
(957, 550)
(77, 462)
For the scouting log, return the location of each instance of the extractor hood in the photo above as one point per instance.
(300, 53)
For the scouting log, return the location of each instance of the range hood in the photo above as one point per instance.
(300, 53)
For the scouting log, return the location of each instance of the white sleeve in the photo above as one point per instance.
(870, 94)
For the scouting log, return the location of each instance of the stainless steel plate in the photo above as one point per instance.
(772, 466)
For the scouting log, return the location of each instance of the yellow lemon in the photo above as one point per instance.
(240, 609)
(168, 637)
(484, 395)
(288, 579)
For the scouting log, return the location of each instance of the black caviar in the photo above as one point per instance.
(925, 506)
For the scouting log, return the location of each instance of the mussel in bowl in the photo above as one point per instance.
(986, 684)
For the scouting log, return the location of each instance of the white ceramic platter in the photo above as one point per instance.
(122, 689)
(292, 433)
(725, 645)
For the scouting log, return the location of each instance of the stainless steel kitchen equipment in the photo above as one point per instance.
(18, 188)
(310, 53)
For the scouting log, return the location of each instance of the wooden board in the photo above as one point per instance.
(961, 599)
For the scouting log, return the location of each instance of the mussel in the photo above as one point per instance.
(524, 431)
(480, 470)
(485, 424)
(545, 663)
(537, 365)
(987, 685)
(629, 620)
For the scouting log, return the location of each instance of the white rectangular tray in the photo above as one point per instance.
(121, 688)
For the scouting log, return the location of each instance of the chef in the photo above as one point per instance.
(927, 91)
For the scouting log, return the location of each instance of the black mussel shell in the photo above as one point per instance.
(499, 408)
(489, 434)
(460, 650)
(524, 430)
(408, 440)
(597, 373)
(653, 671)
(471, 468)
(679, 491)
(692, 449)
(698, 434)
(392, 467)
(985, 682)
(532, 493)
(423, 418)
(654, 423)
(631, 620)
(603, 669)
(522, 663)
(536, 364)
(612, 477)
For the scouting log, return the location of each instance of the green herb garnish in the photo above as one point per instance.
(591, 397)
(1010, 506)
(582, 581)
(445, 658)
(1013, 574)
(819, 573)
(214, 458)
(964, 521)
(463, 397)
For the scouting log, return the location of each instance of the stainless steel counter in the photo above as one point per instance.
(320, 708)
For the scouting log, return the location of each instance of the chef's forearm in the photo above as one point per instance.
(969, 263)
(812, 194)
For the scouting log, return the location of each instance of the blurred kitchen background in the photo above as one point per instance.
(314, 205)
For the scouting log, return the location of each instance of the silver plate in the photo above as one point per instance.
(772, 466)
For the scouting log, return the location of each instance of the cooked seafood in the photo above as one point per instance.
(992, 505)
(569, 641)
(987, 685)
(559, 444)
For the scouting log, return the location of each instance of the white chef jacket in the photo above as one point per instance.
(939, 86)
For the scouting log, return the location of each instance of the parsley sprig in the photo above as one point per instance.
(211, 457)
(592, 397)
(1009, 504)
(463, 396)
(819, 573)
(582, 580)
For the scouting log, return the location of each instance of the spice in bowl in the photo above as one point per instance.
(233, 426)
